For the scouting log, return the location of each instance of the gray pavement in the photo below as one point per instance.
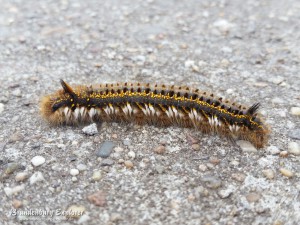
(247, 51)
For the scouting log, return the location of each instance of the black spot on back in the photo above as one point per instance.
(216, 103)
(194, 96)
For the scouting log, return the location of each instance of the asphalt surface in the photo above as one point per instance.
(247, 51)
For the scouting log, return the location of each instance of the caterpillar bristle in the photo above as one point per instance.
(66, 87)
(253, 109)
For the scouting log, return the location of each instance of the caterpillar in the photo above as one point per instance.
(161, 105)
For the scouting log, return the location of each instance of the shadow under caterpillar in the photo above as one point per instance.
(160, 105)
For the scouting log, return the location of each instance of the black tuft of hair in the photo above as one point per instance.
(253, 109)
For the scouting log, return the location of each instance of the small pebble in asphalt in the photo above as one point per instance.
(106, 149)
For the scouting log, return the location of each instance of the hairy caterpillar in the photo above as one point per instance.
(155, 104)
